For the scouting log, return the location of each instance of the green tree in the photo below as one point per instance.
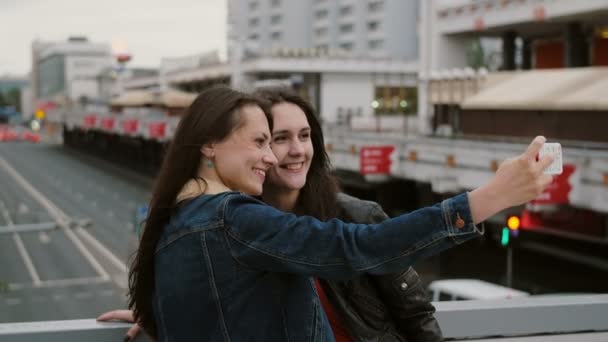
(2, 100)
(13, 98)
(475, 55)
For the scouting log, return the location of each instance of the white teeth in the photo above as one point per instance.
(260, 172)
(294, 166)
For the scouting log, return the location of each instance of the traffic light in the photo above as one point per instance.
(513, 223)
(512, 229)
(504, 240)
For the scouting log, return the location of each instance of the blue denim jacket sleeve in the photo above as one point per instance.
(264, 238)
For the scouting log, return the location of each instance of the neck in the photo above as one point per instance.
(281, 199)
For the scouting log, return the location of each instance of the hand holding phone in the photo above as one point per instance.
(554, 149)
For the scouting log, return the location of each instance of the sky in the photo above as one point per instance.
(151, 29)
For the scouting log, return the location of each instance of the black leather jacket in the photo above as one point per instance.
(383, 308)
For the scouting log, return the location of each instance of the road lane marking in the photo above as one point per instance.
(44, 238)
(13, 301)
(60, 217)
(59, 283)
(116, 261)
(27, 260)
(106, 293)
(83, 295)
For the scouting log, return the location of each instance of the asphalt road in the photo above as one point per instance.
(74, 270)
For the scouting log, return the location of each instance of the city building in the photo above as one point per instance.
(66, 72)
(533, 34)
(375, 28)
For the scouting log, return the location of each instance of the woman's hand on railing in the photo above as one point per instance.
(122, 315)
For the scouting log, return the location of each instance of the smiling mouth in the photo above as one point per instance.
(293, 167)
(260, 172)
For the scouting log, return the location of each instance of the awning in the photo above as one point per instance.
(176, 98)
(171, 98)
(134, 98)
(554, 89)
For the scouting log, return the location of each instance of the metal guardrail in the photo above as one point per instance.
(538, 318)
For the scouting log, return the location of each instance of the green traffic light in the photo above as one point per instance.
(505, 237)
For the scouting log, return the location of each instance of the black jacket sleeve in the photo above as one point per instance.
(402, 293)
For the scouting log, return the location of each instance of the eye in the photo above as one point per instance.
(305, 136)
(279, 139)
(260, 141)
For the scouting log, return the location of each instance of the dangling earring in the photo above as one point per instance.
(209, 164)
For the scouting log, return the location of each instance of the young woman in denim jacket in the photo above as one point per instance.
(391, 307)
(216, 264)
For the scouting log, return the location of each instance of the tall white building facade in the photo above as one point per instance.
(369, 29)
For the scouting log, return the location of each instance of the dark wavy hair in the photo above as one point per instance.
(318, 196)
(212, 117)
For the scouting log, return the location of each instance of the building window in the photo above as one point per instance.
(375, 6)
(275, 35)
(346, 46)
(375, 44)
(321, 14)
(275, 3)
(253, 5)
(254, 36)
(321, 32)
(275, 19)
(346, 28)
(346, 10)
(253, 22)
(373, 25)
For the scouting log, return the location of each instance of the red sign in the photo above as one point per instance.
(157, 129)
(376, 159)
(557, 192)
(89, 121)
(129, 126)
(539, 13)
(479, 24)
(107, 123)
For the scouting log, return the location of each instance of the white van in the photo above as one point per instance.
(467, 289)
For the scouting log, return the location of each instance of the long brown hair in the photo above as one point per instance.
(318, 196)
(212, 117)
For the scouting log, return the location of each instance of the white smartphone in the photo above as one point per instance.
(554, 149)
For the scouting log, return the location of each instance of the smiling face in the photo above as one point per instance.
(292, 146)
(242, 160)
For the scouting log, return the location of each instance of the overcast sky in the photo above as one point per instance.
(151, 28)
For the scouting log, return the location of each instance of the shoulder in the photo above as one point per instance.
(360, 211)
(235, 200)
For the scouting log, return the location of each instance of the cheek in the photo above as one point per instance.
(310, 152)
(279, 151)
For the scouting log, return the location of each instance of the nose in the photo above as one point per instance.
(296, 148)
(269, 157)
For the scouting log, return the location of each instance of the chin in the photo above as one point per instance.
(255, 191)
(295, 185)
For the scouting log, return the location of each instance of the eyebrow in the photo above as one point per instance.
(307, 129)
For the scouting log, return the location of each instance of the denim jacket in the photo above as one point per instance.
(231, 268)
(381, 308)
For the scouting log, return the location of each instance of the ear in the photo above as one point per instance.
(208, 150)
